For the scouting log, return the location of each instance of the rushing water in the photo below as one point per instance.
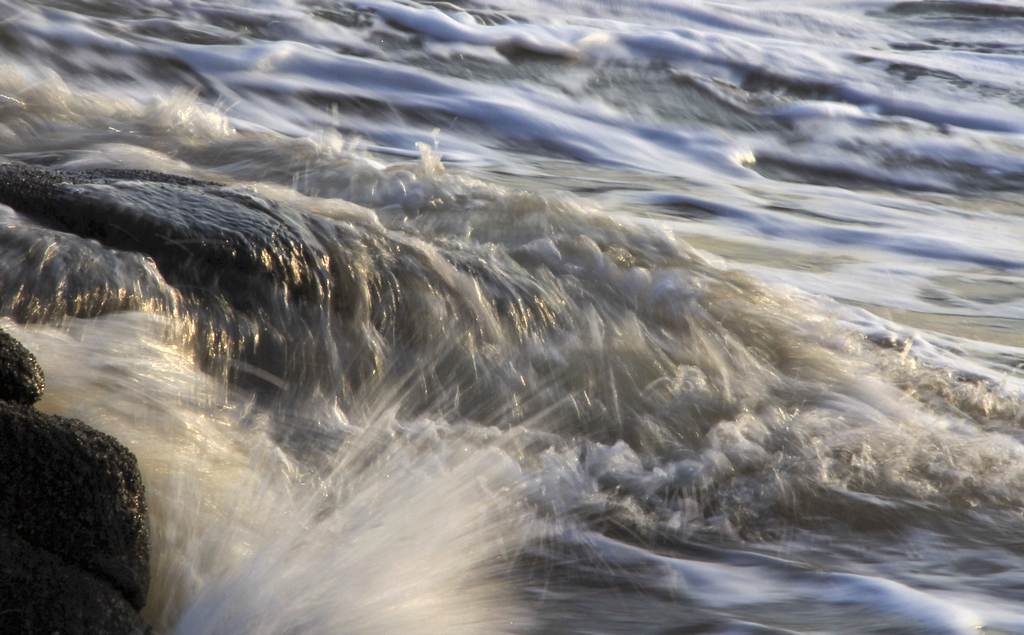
(603, 317)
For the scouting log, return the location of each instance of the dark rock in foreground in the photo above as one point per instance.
(74, 539)
(41, 593)
(21, 379)
(76, 493)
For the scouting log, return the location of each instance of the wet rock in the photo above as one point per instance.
(74, 540)
(74, 493)
(201, 235)
(21, 379)
(250, 272)
(41, 593)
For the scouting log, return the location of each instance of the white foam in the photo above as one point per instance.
(462, 27)
(410, 539)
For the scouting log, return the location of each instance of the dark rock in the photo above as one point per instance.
(201, 235)
(21, 379)
(41, 593)
(74, 552)
(77, 494)
(250, 273)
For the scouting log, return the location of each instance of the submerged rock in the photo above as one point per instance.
(21, 379)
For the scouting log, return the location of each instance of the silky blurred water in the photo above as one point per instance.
(630, 317)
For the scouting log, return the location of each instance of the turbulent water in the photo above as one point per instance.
(598, 317)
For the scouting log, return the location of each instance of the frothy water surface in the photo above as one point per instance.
(589, 317)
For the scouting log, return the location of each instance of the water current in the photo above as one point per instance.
(524, 316)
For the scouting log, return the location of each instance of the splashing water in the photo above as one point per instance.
(691, 318)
